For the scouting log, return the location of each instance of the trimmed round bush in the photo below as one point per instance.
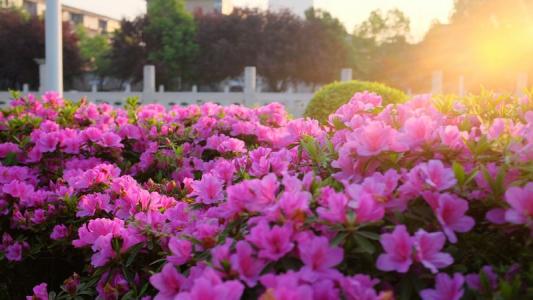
(332, 96)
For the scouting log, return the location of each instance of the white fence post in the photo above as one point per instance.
(127, 88)
(25, 88)
(226, 89)
(462, 91)
(161, 88)
(195, 88)
(436, 82)
(346, 74)
(250, 84)
(149, 79)
(521, 84)
(42, 74)
(94, 88)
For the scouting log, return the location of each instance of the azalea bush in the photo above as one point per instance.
(424, 199)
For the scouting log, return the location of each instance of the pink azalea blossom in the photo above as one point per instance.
(273, 243)
(168, 282)
(398, 247)
(40, 292)
(181, 251)
(59, 232)
(446, 288)
(437, 176)
(319, 257)
(450, 213)
(427, 250)
(521, 202)
(208, 190)
(246, 264)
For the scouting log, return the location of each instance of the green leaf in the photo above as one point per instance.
(341, 236)
(459, 172)
(133, 253)
(364, 244)
(369, 235)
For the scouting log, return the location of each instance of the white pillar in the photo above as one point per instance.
(42, 74)
(54, 46)
(346, 74)
(436, 82)
(127, 89)
(462, 91)
(149, 79)
(94, 88)
(521, 84)
(25, 88)
(250, 84)
(226, 89)
(195, 88)
(161, 88)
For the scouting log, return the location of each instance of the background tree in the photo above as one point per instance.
(324, 48)
(226, 43)
(170, 34)
(22, 41)
(129, 51)
(94, 51)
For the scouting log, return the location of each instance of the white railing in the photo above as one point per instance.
(295, 103)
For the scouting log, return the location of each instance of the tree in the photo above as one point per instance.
(322, 56)
(170, 32)
(94, 51)
(390, 27)
(22, 41)
(226, 43)
(129, 51)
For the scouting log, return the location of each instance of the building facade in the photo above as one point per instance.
(209, 6)
(296, 6)
(94, 23)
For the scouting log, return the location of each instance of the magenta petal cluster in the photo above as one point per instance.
(230, 202)
(401, 250)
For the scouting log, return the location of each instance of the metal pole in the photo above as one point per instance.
(54, 46)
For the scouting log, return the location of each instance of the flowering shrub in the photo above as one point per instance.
(208, 202)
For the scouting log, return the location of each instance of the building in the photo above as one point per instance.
(209, 6)
(296, 6)
(94, 23)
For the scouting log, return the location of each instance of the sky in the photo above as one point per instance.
(351, 12)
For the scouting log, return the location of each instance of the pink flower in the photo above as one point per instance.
(59, 232)
(168, 282)
(48, 142)
(208, 190)
(335, 208)
(398, 246)
(446, 288)
(92, 203)
(110, 140)
(273, 243)
(367, 209)
(418, 130)
(437, 176)
(40, 292)
(318, 256)
(181, 251)
(245, 264)
(14, 252)
(372, 139)
(292, 204)
(521, 202)
(206, 289)
(450, 213)
(427, 247)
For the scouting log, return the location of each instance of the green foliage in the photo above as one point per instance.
(171, 32)
(332, 96)
(94, 50)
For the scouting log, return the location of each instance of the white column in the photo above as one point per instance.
(161, 88)
(346, 74)
(54, 46)
(250, 84)
(94, 88)
(25, 88)
(127, 88)
(521, 84)
(149, 79)
(436, 82)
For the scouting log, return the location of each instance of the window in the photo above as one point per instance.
(76, 18)
(102, 25)
(30, 7)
